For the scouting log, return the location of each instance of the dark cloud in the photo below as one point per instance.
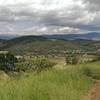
(92, 5)
(26, 19)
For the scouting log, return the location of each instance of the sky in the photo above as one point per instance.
(25, 17)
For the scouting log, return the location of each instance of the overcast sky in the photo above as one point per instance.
(49, 16)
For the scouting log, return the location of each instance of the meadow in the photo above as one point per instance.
(68, 83)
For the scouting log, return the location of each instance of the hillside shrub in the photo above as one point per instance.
(40, 63)
(91, 72)
(71, 57)
(23, 66)
(7, 61)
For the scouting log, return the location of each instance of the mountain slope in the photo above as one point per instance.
(2, 43)
(88, 36)
(39, 45)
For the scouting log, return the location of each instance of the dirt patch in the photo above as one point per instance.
(95, 91)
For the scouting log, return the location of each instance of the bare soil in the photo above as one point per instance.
(95, 91)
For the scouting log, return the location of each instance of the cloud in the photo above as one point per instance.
(49, 16)
(92, 5)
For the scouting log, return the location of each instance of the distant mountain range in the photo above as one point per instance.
(44, 45)
(7, 36)
(87, 36)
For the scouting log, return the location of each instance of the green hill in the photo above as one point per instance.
(40, 45)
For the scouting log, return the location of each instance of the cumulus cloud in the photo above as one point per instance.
(49, 16)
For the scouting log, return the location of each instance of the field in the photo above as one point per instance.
(68, 83)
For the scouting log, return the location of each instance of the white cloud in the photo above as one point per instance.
(14, 2)
(41, 4)
(49, 16)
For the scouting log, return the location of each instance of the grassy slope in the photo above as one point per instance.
(55, 84)
(41, 45)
